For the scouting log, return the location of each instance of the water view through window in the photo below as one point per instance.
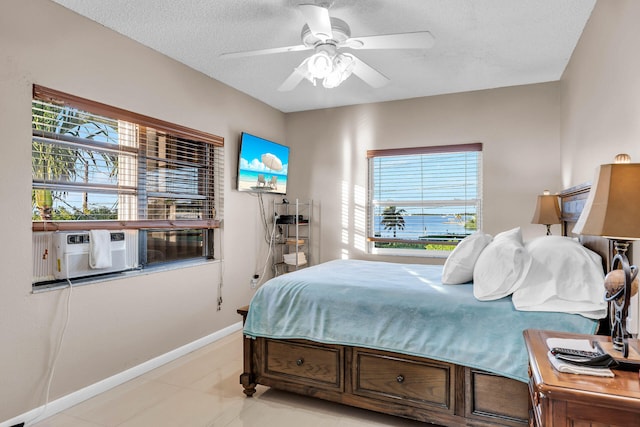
(421, 200)
(427, 226)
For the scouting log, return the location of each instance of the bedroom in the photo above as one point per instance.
(549, 135)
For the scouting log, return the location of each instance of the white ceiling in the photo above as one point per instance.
(479, 44)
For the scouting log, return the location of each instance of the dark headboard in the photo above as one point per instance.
(572, 202)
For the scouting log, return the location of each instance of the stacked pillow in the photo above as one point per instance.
(501, 266)
(458, 268)
(564, 276)
(549, 273)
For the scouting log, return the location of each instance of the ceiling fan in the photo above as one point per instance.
(327, 37)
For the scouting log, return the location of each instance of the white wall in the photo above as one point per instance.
(118, 324)
(601, 92)
(518, 126)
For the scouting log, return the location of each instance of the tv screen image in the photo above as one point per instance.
(263, 165)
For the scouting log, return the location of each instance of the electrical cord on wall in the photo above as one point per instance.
(266, 260)
(269, 236)
(58, 350)
(221, 269)
(265, 224)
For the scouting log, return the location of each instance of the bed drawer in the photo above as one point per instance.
(316, 365)
(415, 382)
(492, 397)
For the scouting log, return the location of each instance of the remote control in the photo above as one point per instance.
(602, 361)
(577, 353)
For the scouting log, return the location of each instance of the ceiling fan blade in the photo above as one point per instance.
(318, 20)
(368, 74)
(285, 49)
(417, 40)
(292, 81)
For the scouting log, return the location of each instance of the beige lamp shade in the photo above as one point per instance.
(547, 210)
(612, 209)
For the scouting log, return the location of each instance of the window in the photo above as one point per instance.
(99, 167)
(423, 201)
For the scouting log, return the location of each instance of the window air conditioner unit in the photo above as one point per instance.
(72, 254)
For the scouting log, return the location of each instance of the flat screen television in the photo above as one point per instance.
(263, 165)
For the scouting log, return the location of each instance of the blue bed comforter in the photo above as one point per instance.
(402, 308)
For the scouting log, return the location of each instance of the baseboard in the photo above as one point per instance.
(88, 392)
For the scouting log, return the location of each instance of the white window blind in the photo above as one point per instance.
(96, 166)
(424, 196)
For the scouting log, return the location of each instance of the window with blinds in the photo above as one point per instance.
(99, 167)
(423, 199)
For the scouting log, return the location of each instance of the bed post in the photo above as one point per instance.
(247, 378)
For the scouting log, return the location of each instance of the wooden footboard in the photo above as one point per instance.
(411, 387)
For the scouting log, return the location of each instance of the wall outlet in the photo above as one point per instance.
(254, 281)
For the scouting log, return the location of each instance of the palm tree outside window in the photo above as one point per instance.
(392, 219)
(95, 166)
(423, 200)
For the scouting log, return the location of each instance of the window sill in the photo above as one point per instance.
(416, 253)
(176, 265)
(39, 226)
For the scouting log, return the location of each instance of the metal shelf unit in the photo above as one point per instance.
(292, 238)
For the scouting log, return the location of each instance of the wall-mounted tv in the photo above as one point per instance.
(263, 165)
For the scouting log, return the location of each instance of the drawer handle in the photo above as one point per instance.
(400, 378)
(300, 361)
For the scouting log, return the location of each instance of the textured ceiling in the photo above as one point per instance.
(479, 44)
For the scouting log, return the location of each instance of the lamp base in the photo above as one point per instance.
(619, 300)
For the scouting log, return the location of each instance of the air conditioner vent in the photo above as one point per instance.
(72, 255)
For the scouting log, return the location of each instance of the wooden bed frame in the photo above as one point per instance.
(412, 387)
(572, 201)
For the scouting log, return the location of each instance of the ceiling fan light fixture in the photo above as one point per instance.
(331, 81)
(343, 64)
(329, 67)
(320, 65)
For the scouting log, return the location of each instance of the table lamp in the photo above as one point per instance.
(612, 210)
(547, 211)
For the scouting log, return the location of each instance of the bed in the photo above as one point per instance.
(405, 344)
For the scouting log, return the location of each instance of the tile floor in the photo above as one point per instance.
(202, 389)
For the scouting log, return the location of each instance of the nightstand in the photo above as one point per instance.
(568, 400)
(243, 311)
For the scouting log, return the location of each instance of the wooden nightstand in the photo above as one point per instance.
(243, 311)
(568, 400)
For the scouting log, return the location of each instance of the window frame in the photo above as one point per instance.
(207, 225)
(371, 204)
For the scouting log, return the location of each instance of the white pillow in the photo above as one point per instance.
(501, 266)
(458, 268)
(564, 277)
(514, 234)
